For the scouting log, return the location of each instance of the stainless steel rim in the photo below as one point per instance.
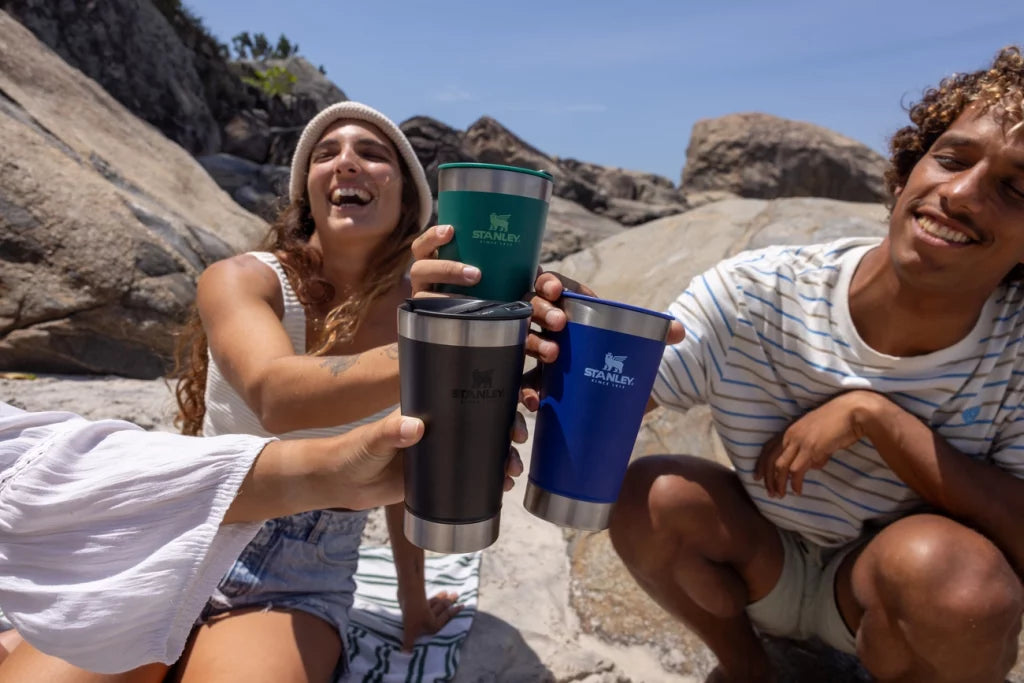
(615, 318)
(451, 538)
(496, 180)
(564, 511)
(454, 332)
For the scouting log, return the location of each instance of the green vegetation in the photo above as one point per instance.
(274, 81)
(257, 46)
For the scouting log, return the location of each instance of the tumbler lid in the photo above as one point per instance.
(496, 167)
(445, 307)
(464, 322)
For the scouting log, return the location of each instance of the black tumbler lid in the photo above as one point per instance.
(445, 307)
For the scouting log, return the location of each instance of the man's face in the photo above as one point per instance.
(958, 223)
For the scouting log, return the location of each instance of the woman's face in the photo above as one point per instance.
(354, 182)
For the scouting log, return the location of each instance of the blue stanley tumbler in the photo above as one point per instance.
(592, 401)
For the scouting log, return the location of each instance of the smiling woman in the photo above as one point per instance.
(315, 309)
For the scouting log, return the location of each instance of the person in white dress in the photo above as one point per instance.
(112, 538)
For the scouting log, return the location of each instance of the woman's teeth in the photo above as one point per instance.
(941, 231)
(350, 195)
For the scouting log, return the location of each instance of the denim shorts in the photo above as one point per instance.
(304, 562)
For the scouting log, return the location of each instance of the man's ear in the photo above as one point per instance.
(897, 190)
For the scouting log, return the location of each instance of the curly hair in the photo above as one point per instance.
(999, 88)
(288, 237)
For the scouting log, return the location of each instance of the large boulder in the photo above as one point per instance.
(634, 197)
(269, 132)
(130, 49)
(436, 143)
(311, 84)
(104, 223)
(492, 143)
(765, 157)
(619, 183)
(571, 228)
(259, 188)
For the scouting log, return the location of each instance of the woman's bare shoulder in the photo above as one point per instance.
(240, 276)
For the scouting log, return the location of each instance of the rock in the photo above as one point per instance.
(765, 157)
(131, 50)
(618, 183)
(259, 188)
(104, 223)
(148, 403)
(695, 199)
(287, 113)
(492, 143)
(247, 135)
(632, 212)
(310, 84)
(435, 143)
(570, 228)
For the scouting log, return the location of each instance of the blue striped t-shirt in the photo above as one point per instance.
(769, 337)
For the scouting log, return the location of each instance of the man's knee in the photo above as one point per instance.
(938, 577)
(665, 497)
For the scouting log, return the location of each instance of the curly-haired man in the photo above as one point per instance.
(871, 399)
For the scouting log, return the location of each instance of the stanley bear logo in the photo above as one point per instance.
(498, 232)
(612, 373)
(500, 221)
(481, 388)
(613, 363)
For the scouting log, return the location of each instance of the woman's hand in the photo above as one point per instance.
(428, 270)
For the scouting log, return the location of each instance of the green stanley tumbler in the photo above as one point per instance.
(498, 213)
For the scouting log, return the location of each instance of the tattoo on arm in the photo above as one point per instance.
(391, 351)
(339, 364)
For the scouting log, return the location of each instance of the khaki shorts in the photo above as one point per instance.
(802, 604)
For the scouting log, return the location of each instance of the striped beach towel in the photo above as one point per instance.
(374, 640)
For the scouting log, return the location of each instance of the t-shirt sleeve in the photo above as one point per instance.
(708, 312)
(110, 538)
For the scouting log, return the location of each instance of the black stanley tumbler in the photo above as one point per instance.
(461, 364)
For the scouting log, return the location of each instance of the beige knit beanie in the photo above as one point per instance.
(359, 112)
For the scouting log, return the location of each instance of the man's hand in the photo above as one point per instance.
(427, 270)
(425, 617)
(514, 464)
(549, 317)
(811, 440)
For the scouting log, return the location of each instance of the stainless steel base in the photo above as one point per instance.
(451, 538)
(570, 512)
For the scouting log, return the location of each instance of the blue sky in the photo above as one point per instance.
(622, 83)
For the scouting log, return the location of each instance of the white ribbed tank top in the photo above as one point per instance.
(227, 412)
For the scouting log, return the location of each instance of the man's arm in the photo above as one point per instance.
(982, 495)
(986, 497)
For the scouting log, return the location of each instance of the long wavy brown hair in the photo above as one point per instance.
(288, 237)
